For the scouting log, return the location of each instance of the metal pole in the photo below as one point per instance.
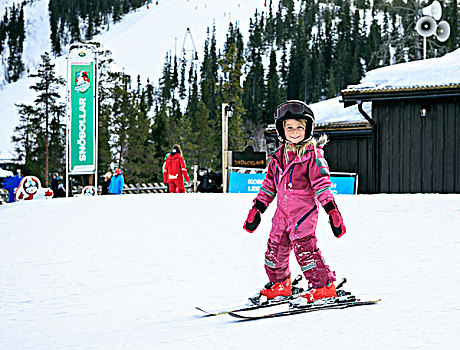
(96, 116)
(67, 131)
(224, 146)
(424, 47)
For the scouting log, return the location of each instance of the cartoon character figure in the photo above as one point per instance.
(30, 188)
(82, 82)
(88, 191)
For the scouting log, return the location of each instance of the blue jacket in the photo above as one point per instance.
(116, 184)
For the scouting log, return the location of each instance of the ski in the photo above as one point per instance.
(256, 302)
(292, 309)
(243, 308)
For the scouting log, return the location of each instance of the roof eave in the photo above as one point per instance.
(353, 96)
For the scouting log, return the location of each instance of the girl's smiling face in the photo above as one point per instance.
(294, 130)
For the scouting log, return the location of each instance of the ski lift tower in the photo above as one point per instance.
(192, 50)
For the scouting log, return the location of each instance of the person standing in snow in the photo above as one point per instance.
(165, 180)
(175, 171)
(298, 175)
(57, 186)
(117, 182)
(106, 183)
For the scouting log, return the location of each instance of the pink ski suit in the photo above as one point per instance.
(300, 187)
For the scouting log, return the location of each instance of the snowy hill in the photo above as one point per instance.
(139, 43)
(141, 40)
(126, 272)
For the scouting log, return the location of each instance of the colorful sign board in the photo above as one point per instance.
(249, 159)
(341, 183)
(245, 183)
(82, 110)
(344, 183)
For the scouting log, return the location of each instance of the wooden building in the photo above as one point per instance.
(415, 141)
(410, 145)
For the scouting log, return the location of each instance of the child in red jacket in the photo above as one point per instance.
(175, 171)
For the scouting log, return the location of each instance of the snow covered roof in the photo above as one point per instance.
(5, 173)
(431, 74)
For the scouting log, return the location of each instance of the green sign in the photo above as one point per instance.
(82, 121)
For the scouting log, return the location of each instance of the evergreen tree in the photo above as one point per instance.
(273, 89)
(44, 144)
(104, 112)
(453, 19)
(25, 139)
(166, 81)
(205, 148)
(231, 63)
(209, 77)
(15, 41)
(374, 42)
(161, 140)
(253, 86)
(182, 89)
(298, 66)
(138, 158)
(122, 110)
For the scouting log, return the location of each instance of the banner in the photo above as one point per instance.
(341, 183)
(245, 183)
(82, 113)
(344, 183)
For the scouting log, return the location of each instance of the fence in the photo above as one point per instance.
(127, 189)
(3, 196)
(138, 188)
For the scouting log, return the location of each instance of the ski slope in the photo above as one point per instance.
(139, 44)
(126, 272)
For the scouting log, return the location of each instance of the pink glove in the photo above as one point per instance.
(253, 220)
(335, 219)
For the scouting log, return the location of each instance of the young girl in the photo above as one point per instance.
(298, 176)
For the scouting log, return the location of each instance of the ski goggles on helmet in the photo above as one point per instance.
(293, 108)
(296, 110)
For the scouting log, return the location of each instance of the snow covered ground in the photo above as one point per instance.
(126, 272)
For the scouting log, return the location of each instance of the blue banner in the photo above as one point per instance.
(245, 183)
(343, 184)
(251, 183)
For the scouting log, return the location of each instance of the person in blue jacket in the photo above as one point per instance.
(117, 183)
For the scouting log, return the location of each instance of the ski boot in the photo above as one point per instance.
(326, 292)
(277, 291)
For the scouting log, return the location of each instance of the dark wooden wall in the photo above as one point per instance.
(404, 153)
(352, 154)
(416, 154)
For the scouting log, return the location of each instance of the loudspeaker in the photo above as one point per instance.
(434, 10)
(426, 26)
(442, 31)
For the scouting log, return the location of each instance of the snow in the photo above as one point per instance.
(5, 173)
(444, 70)
(126, 272)
(331, 111)
(139, 43)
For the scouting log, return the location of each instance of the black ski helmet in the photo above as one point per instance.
(294, 109)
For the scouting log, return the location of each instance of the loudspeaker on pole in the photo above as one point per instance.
(434, 10)
(426, 26)
(442, 31)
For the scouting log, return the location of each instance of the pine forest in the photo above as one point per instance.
(299, 49)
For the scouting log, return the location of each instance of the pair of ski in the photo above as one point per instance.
(291, 306)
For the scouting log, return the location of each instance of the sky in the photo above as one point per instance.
(126, 272)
